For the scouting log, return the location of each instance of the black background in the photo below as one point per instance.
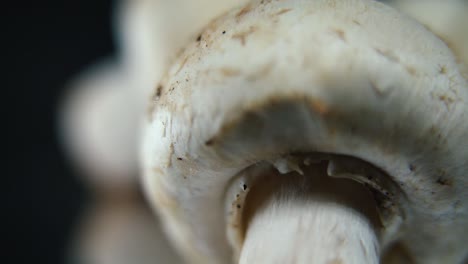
(47, 43)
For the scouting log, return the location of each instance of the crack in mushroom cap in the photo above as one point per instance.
(350, 77)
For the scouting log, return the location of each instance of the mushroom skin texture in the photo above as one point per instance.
(101, 113)
(447, 19)
(351, 78)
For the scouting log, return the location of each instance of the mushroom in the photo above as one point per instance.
(306, 131)
(446, 19)
(113, 231)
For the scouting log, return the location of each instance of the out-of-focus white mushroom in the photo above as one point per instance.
(98, 126)
(352, 89)
(121, 233)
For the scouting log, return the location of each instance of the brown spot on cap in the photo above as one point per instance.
(335, 261)
(340, 33)
(331, 3)
(159, 90)
(226, 71)
(442, 69)
(154, 98)
(210, 142)
(411, 70)
(319, 106)
(447, 100)
(243, 35)
(244, 11)
(283, 11)
(444, 181)
(388, 54)
(260, 72)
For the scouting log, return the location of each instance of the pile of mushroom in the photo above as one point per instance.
(302, 131)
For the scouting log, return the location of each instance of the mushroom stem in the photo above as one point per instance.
(298, 224)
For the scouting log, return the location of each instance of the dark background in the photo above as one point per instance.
(47, 43)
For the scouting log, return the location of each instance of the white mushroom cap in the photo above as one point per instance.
(447, 19)
(352, 78)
